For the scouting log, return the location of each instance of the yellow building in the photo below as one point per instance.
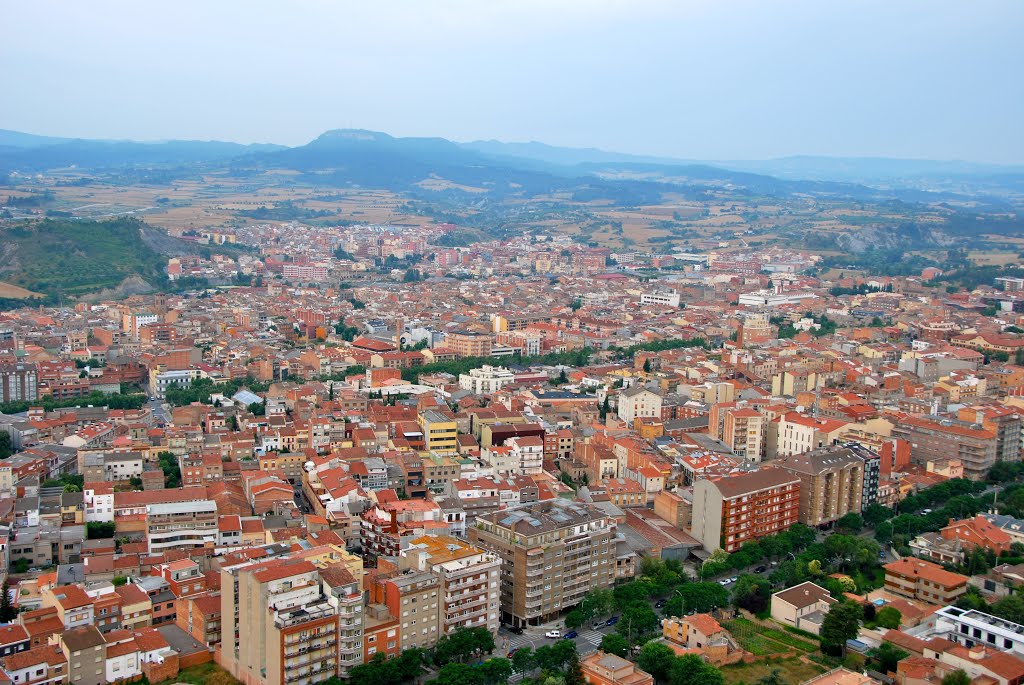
(440, 432)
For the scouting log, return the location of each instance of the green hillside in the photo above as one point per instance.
(72, 258)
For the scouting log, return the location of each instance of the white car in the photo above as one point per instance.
(553, 634)
(724, 581)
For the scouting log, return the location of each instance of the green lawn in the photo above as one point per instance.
(792, 670)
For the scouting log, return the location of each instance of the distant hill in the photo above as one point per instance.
(19, 139)
(72, 258)
(92, 154)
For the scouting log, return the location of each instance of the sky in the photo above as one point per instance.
(693, 79)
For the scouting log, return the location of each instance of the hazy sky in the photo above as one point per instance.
(713, 79)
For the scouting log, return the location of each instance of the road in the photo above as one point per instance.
(159, 409)
(587, 641)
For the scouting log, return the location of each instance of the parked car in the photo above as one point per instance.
(512, 653)
(571, 635)
(555, 634)
(660, 603)
(515, 630)
(733, 579)
(724, 581)
(598, 625)
(760, 569)
(612, 621)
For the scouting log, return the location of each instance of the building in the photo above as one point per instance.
(795, 433)
(831, 483)
(18, 382)
(638, 401)
(744, 433)
(469, 581)
(607, 669)
(703, 635)
(661, 299)
(181, 525)
(923, 580)
(552, 553)
(977, 532)
(803, 606)
(279, 624)
(730, 511)
(440, 432)
(85, 651)
(486, 380)
(413, 597)
(933, 439)
(469, 344)
(970, 627)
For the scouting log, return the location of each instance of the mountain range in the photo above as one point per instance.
(352, 157)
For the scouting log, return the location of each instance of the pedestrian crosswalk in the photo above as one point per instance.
(525, 640)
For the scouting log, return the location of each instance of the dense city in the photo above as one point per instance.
(360, 453)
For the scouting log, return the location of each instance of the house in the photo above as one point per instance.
(803, 606)
(607, 669)
(977, 532)
(923, 580)
(702, 634)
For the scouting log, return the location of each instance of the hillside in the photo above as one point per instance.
(61, 258)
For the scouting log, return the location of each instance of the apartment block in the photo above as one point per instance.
(469, 580)
(181, 525)
(831, 483)
(925, 581)
(744, 433)
(440, 432)
(279, 624)
(932, 438)
(730, 511)
(552, 553)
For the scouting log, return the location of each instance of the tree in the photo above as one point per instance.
(889, 617)
(647, 365)
(1010, 608)
(7, 610)
(574, 672)
(457, 674)
(6, 449)
(523, 660)
(703, 597)
(233, 423)
(876, 514)
(118, 581)
(957, 677)
(773, 678)
(494, 671)
(887, 655)
(554, 657)
(636, 622)
(614, 644)
(752, 593)
(842, 623)
(463, 643)
(656, 659)
(693, 670)
(850, 523)
(96, 530)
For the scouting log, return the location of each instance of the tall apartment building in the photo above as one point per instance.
(744, 433)
(552, 553)
(730, 511)
(414, 598)
(18, 382)
(469, 580)
(279, 624)
(181, 525)
(932, 438)
(831, 483)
